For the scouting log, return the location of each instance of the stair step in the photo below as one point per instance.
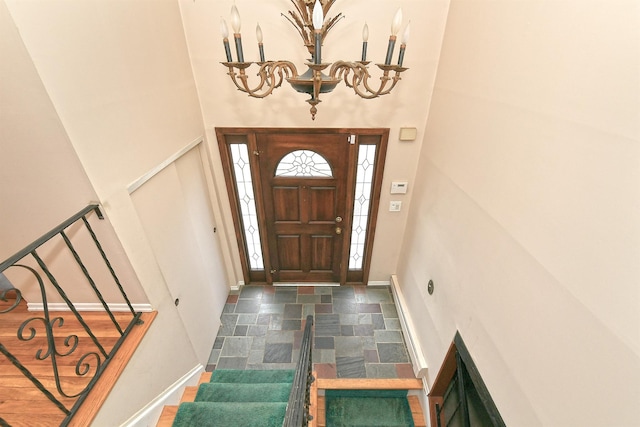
(252, 376)
(166, 417)
(234, 392)
(237, 414)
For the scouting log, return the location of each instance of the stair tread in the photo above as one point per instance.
(252, 376)
(240, 392)
(237, 414)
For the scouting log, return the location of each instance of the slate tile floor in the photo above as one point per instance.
(357, 333)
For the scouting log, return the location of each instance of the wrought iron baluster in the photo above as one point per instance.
(107, 262)
(92, 283)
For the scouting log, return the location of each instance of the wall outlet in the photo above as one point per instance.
(395, 206)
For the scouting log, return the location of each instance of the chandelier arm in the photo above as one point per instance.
(359, 81)
(271, 75)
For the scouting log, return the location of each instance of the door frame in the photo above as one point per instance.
(379, 137)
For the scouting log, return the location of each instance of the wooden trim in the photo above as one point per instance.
(369, 384)
(97, 396)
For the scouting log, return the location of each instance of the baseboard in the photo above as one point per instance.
(408, 329)
(89, 306)
(378, 283)
(150, 414)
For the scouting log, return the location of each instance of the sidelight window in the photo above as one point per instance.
(361, 204)
(246, 197)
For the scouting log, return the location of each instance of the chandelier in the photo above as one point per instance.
(309, 19)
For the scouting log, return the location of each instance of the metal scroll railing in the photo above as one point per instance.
(297, 414)
(65, 356)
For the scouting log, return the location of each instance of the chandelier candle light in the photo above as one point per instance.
(309, 19)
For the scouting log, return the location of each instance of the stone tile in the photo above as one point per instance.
(363, 330)
(360, 289)
(322, 343)
(388, 310)
(346, 330)
(361, 298)
(343, 306)
(364, 319)
(343, 292)
(348, 319)
(348, 346)
(324, 356)
(277, 353)
(251, 292)
(226, 330)
(392, 353)
(323, 290)
(308, 310)
(291, 324)
(236, 347)
(240, 331)
(327, 325)
(286, 296)
(369, 308)
(378, 321)
(257, 330)
(232, 363)
(229, 319)
(280, 337)
(210, 368)
(217, 344)
(213, 357)
(306, 290)
(247, 319)
(326, 299)
(324, 308)
(405, 370)
(258, 343)
(369, 343)
(292, 311)
(326, 370)
(229, 308)
(388, 336)
(350, 367)
(267, 366)
(232, 299)
(393, 324)
(255, 356)
(371, 356)
(309, 299)
(263, 318)
(248, 306)
(276, 322)
(379, 294)
(272, 308)
(381, 370)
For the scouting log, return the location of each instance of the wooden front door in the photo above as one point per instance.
(304, 201)
(304, 182)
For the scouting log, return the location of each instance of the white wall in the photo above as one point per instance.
(119, 78)
(526, 208)
(223, 105)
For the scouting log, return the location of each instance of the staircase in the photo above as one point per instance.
(239, 398)
(221, 385)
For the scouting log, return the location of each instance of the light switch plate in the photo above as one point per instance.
(395, 206)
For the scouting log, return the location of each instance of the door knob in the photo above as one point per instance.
(272, 271)
(338, 230)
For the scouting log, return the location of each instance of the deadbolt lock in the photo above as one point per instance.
(272, 271)
(338, 219)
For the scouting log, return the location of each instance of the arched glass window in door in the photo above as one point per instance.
(304, 163)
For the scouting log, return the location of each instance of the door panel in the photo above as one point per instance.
(301, 210)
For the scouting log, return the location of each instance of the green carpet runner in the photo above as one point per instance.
(238, 398)
(368, 408)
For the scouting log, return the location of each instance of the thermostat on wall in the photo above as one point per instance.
(399, 187)
(408, 134)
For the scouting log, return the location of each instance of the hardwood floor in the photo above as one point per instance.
(21, 403)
